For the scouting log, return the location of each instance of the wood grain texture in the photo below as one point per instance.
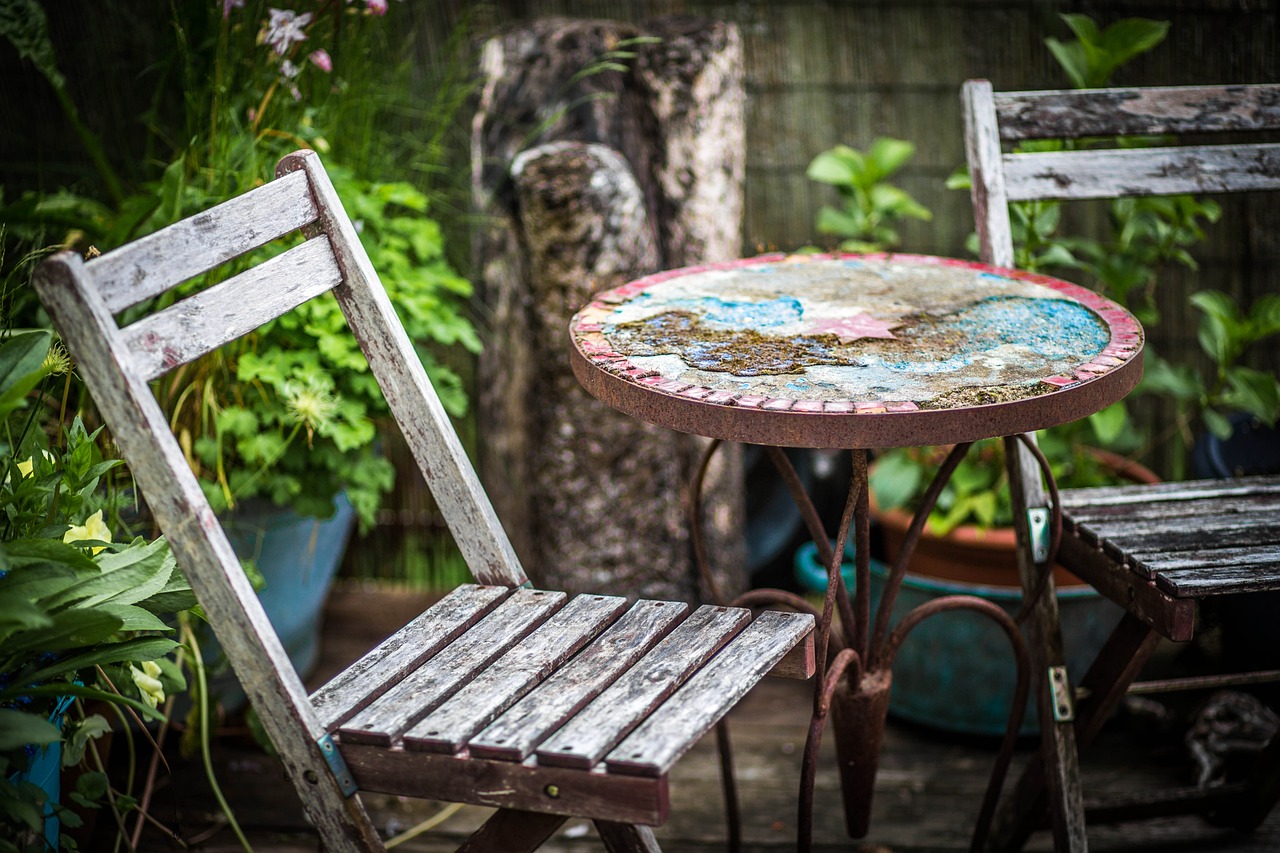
(986, 171)
(151, 265)
(408, 701)
(508, 784)
(413, 401)
(1173, 618)
(594, 730)
(514, 735)
(502, 683)
(511, 831)
(1142, 172)
(1134, 112)
(201, 323)
(657, 743)
(1165, 493)
(398, 655)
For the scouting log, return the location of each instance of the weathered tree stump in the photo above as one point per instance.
(587, 179)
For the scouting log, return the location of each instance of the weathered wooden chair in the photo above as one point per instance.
(498, 695)
(1157, 551)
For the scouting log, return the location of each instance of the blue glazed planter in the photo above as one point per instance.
(44, 770)
(298, 556)
(955, 670)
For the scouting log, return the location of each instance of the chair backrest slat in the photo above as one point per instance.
(201, 323)
(1093, 172)
(151, 265)
(1115, 172)
(1136, 112)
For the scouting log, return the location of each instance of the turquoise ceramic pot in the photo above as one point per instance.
(955, 671)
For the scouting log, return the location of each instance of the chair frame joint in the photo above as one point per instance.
(338, 767)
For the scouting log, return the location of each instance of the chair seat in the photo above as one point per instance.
(1191, 539)
(556, 704)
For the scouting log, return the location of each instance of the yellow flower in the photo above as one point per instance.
(25, 467)
(93, 528)
(148, 681)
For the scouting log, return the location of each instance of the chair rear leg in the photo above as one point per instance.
(627, 838)
(512, 831)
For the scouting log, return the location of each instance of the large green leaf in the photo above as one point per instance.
(35, 552)
(137, 649)
(21, 360)
(887, 155)
(127, 576)
(69, 629)
(18, 728)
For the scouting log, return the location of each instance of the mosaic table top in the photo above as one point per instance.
(855, 350)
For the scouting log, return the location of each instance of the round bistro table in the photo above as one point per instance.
(865, 352)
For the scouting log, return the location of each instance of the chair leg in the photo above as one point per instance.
(1057, 733)
(627, 838)
(512, 831)
(1117, 664)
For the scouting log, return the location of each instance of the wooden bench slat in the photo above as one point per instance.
(655, 746)
(425, 688)
(1210, 557)
(1190, 490)
(1165, 512)
(1137, 112)
(514, 734)
(151, 265)
(397, 656)
(586, 738)
(1229, 532)
(1221, 580)
(201, 323)
(1141, 172)
(447, 728)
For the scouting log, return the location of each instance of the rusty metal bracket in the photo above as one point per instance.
(1064, 708)
(338, 767)
(1038, 524)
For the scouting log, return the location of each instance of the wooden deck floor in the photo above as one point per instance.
(927, 791)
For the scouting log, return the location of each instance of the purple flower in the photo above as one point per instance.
(285, 27)
(377, 7)
(228, 5)
(320, 58)
(288, 70)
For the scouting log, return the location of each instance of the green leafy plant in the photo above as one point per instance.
(290, 414)
(871, 205)
(80, 616)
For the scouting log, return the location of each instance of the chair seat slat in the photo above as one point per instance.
(151, 265)
(1230, 532)
(655, 746)
(1141, 172)
(201, 323)
(1211, 556)
(447, 728)
(594, 730)
(397, 656)
(514, 734)
(1251, 505)
(1165, 493)
(427, 687)
(1262, 575)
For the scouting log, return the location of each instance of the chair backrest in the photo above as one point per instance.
(991, 118)
(117, 363)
